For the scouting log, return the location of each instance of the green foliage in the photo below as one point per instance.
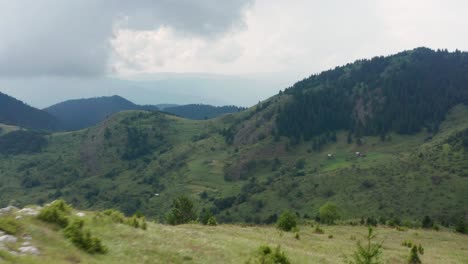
(427, 222)
(57, 212)
(115, 215)
(329, 213)
(9, 225)
(318, 230)
(205, 215)
(405, 92)
(137, 144)
(369, 253)
(212, 221)
(200, 111)
(461, 226)
(407, 243)
(136, 222)
(21, 142)
(266, 255)
(414, 256)
(286, 222)
(182, 211)
(83, 239)
(17, 113)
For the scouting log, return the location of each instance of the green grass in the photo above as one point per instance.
(232, 244)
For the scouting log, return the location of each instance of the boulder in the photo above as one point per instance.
(29, 250)
(29, 211)
(8, 239)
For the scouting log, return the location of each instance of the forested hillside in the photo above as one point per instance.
(361, 136)
(15, 112)
(403, 93)
(82, 113)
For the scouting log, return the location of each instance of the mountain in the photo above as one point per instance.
(200, 111)
(83, 113)
(17, 113)
(383, 138)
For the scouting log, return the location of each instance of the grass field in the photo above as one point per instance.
(195, 243)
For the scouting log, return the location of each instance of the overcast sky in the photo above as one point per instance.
(225, 52)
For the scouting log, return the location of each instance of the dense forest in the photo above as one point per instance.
(201, 111)
(82, 113)
(15, 112)
(404, 93)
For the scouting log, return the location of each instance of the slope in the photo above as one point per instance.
(17, 113)
(243, 169)
(82, 113)
(219, 244)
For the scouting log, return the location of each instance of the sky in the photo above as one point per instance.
(204, 51)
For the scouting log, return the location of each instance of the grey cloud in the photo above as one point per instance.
(71, 38)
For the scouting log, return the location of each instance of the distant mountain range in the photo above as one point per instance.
(82, 113)
(15, 112)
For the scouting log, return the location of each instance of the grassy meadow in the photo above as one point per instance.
(194, 243)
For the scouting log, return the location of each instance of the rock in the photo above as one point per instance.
(29, 250)
(8, 239)
(29, 211)
(18, 217)
(2, 233)
(27, 237)
(80, 214)
(25, 244)
(7, 209)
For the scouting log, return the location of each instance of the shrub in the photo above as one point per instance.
(369, 253)
(318, 230)
(83, 239)
(286, 222)
(205, 215)
(427, 222)
(9, 225)
(266, 255)
(329, 213)
(407, 243)
(461, 226)
(56, 213)
(115, 215)
(212, 221)
(414, 256)
(182, 211)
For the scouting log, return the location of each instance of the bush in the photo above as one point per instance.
(205, 215)
(83, 238)
(266, 255)
(182, 211)
(212, 221)
(56, 213)
(414, 256)
(461, 226)
(9, 225)
(427, 222)
(115, 215)
(286, 222)
(369, 253)
(329, 213)
(318, 230)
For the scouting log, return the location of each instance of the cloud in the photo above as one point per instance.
(72, 38)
